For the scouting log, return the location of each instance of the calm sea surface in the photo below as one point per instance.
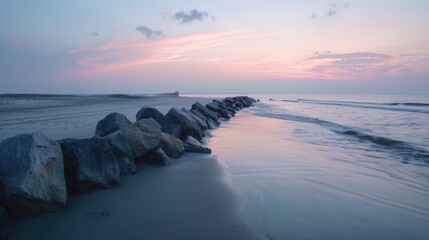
(331, 167)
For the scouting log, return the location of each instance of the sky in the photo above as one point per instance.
(240, 46)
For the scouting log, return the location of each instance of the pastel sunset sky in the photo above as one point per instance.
(235, 46)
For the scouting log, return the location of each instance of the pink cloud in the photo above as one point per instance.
(129, 54)
(355, 65)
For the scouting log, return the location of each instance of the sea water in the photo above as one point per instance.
(331, 167)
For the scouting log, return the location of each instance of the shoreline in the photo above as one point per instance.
(217, 202)
(189, 199)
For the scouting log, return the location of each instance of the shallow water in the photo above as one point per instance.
(331, 167)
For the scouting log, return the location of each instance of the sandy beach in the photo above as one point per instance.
(73, 116)
(190, 199)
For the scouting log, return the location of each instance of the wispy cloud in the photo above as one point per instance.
(327, 65)
(190, 16)
(149, 33)
(130, 54)
(330, 11)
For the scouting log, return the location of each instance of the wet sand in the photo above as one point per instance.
(186, 200)
(190, 199)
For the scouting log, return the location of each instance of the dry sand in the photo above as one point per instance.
(189, 199)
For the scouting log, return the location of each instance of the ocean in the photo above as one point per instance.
(330, 166)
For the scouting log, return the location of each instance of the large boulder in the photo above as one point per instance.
(188, 125)
(214, 107)
(219, 103)
(171, 128)
(31, 175)
(111, 123)
(142, 136)
(211, 124)
(122, 151)
(150, 113)
(172, 146)
(3, 214)
(193, 145)
(198, 120)
(205, 111)
(157, 156)
(225, 114)
(89, 164)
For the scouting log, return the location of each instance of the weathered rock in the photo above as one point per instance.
(231, 111)
(111, 123)
(172, 146)
(127, 166)
(193, 145)
(187, 123)
(219, 103)
(211, 124)
(3, 214)
(228, 100)
(142, 136)
(150, 113)
(214, 107)
(225, 114)
(173, 129)
(158, 156)
(31, 175)
(123, 152)
(198, 120)
(89, 164)
(205, 111)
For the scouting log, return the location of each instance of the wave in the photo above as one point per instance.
(403, 149)
(370, 105)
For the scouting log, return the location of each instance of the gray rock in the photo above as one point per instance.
(158, 156)
(231, 111)
(127, 166)
(211, 124)
(205, 111)
(172, 146)
(122, 151)
(188, 125)
(89, 164)
(193, 145)
(225, 114)
(111, 123)
(199, 120)
(214, 107)
(150, 113)
(173, 129)
(3, 214)
(31, 175)
(142, 136)
(219, 103)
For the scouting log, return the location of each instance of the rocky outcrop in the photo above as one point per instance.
(205, 111)
(31, 175)
(198, 120)
(89, 164)
(211, 124)
(150, 113)
(171, 128)
(172, 146)
(142, 136)
(188, 125)
(158, 156)
(193, 145)
(122, 151)
(111, 123)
